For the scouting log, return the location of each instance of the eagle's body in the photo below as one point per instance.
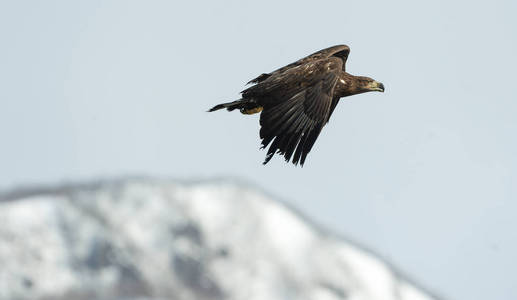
(297, 100)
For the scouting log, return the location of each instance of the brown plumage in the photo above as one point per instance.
(297, 100)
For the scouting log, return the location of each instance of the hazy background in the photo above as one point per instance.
(425, 173)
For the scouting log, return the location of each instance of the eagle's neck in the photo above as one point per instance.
(349, 85)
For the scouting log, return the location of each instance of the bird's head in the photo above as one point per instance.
(366, 84)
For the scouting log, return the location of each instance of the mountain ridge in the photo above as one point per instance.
(184, 264)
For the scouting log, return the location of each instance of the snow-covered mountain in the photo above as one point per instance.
(149, 239)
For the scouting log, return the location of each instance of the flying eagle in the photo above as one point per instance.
(297, 100)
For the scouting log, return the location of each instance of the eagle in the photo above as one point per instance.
(297, 100)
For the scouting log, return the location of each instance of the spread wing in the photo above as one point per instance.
(297, 107)
(340, 51)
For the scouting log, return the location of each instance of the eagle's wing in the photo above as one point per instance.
(302, 101)
(333, 105)
(340, 51)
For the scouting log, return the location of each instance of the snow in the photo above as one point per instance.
(165, 240)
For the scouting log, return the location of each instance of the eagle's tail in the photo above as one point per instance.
(229, 106)
(246, 106)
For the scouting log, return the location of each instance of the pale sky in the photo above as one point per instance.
(425, 174)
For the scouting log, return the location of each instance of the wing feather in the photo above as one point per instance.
(340, 51)
(291, 126)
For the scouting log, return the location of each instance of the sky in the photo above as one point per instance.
(425, 174)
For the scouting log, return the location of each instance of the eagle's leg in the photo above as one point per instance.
(250, 111)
